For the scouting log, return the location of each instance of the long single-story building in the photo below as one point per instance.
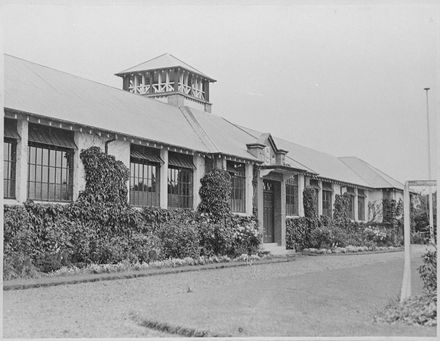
(161, 127)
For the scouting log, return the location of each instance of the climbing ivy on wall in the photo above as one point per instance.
(340, 210)
(309, 202)
(106, 178)
(215, 194)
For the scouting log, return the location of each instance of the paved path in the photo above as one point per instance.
(312, 296)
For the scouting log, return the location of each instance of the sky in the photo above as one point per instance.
(342, 77)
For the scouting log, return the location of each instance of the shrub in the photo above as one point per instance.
(309, 202)
(417, 310)
(428, 271)
(247, 238)
(215, 194)
(179, 240)
(340, 210)
(216, 238)
(298, 233)
(145, 248)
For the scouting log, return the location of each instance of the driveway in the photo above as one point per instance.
(311, 296)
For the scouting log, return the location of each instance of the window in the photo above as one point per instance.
(327, 193)
(50, 163)
(50, 173)
(350, 208)
(144, 176)
(238, 182)
(180, 187)
(9, 157)
(315, 185)
(361, 204)
(292, 196)
(9, 162)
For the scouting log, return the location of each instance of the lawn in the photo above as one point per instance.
(312, 296)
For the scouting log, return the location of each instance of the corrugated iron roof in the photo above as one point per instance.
(163, 61)
(37, 89)
(41, 90)
(373, 176)
(323, 164)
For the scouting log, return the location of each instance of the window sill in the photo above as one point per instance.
(241, 214)
(42, 202)
(10, 201)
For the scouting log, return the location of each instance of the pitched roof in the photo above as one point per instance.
(373, 176)
(163, 61)
(323, 164)
(41, 90)
(44, 91)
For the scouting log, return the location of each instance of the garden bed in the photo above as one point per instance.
(105, 272)
(351, 250)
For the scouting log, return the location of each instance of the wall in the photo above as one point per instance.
(374, 197)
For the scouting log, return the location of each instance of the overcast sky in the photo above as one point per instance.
(341, 77)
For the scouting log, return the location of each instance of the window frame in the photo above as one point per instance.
(350, 192)
(173, 176)
(327, 189)
(10, 169)
(292, 197)
(361, 207)
(237, 201)
(152, 200)
(42, 164)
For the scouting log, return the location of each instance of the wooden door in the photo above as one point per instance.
(268, 211)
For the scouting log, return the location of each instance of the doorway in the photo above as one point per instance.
(268, 211)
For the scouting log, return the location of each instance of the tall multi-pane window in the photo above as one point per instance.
(144, 176)
(315, 185)
(327, 193)
(292, 196)
(9, 162)
(238, 182)
(361, 204)
(50, 164)
(50, 173)
(9, 157)
(350, 208)
(180, 181)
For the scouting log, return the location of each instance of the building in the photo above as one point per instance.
(161, 127)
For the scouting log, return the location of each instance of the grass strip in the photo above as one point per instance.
(171, 329)
(108, 277)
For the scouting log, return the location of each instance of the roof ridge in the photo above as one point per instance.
(256, 138)
(198, 129)
(185, 65)
(149, 60)
(366, 163)
(89, 80)
(240, 127)
(180, 60)
(381, 173)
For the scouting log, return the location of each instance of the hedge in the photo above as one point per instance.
(102, 228)
(324, 232)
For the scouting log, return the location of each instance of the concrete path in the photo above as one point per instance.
(312, 296)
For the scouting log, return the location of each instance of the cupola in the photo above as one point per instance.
(168, 79)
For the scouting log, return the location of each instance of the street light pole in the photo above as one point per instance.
(431, 209)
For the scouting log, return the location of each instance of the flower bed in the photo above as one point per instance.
(123, 266)
(350, 249)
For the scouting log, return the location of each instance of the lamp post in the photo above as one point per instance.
(431, 211)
